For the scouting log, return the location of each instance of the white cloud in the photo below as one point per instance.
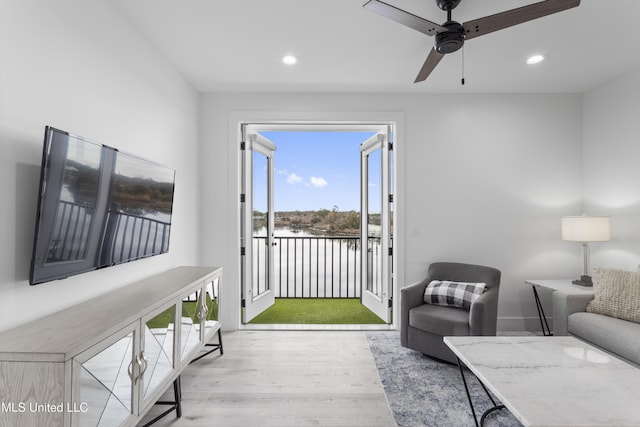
(318, 182)
(294, 179)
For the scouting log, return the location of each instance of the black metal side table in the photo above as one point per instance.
(564, 286)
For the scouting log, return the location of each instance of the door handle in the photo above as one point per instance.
(141, 360)
(145, 362)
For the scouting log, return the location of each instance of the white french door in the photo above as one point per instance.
(258, 225)
(375, 261)
(376, 223)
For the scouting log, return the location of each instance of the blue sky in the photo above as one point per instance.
(317, 170)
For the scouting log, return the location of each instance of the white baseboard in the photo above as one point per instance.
(531, 324)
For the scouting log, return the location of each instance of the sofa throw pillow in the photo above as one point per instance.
(455, 294)
(617, 294)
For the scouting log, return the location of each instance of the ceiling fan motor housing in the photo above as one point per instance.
(447, 4)
(452, 40)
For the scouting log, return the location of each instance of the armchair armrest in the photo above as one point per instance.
(483, 314)
(564, 305)
(410, 296)
(413, 295)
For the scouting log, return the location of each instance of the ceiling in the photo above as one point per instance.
(237, 45)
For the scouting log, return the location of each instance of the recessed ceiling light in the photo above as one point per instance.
(535, 59)
(289, 60)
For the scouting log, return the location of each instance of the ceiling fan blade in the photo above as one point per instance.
(489, 24)
(405, 18)
(432, 60)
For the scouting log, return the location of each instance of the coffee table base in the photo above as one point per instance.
(486, 413)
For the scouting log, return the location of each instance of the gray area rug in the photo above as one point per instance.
(424, 392)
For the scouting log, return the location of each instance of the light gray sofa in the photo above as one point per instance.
(616, 336)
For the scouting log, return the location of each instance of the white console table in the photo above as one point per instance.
(108, 360)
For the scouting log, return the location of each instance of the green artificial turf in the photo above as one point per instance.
(318, 311)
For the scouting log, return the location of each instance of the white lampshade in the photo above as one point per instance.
(586, 228)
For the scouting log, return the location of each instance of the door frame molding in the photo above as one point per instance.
(230, 312)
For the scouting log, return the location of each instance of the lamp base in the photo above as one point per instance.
(584, 281)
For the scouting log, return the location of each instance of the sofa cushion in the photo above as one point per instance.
(454, 294)
(617, 294)
(440, 320)
(614, 335)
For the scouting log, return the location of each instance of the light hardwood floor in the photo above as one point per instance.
(284, 378)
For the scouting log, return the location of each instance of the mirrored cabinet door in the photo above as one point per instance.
(158, 349)
(190, 324)
(210, 301)
(106, 381)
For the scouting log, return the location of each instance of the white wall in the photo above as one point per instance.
(612, 168)
(79, 66)
(486, 180)
(485, 177)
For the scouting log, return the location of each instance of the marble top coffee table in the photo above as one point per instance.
(553, 381)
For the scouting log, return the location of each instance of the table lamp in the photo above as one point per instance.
(585, 229)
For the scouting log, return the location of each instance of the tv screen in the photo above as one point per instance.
(97, 207)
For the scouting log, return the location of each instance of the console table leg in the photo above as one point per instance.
(214, 347)
(177, 392)
(175, 404)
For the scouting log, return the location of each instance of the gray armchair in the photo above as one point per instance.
(422, 326)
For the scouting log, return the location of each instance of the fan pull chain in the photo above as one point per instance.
(462, 79)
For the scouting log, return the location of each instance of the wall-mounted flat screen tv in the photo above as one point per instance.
(97, 207)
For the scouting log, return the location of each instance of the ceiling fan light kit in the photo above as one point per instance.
(451, 40)
(451, 35)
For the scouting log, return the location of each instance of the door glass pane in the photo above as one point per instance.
(260, 224)
(158, 349)
(105, 385)
(374, 223)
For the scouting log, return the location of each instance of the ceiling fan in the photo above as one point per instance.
(451, 35)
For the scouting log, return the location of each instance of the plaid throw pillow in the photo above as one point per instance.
(454, 294)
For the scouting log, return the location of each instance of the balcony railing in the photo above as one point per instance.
(312, 266)
(133, 236)
(130, 236)
(71, 230)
